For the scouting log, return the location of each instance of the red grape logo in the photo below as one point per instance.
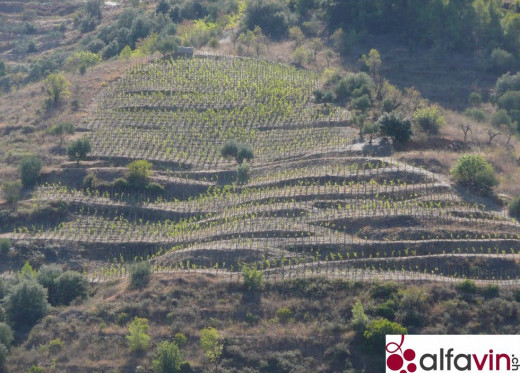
(396, 361)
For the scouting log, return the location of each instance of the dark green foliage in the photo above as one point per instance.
(270, 15)
(490, 291)
(71, 285)
(162, 7)
(95, 46)
(11, 191)
(141, 27)
(243, 173)
(111, 50)
(5, 244)
(168, 358)
(47, 275)
(392, 125)
(514, 208)
(362, 103)
(476, 114)
(500, 117)
(3, 68)
(384, 290)
(240, 152)
(78, 150)
(244, 153)
(230, 149)
(353, 85)
(61, 130)
(30, 168)
(167, 46)
(501, 60)
(284, 315)
(26, 304)
(467, 287)
(474, 171)
(6, 335)
(387, 309)
(140, 274)
(139, 173)
(507, 82)
(377, 330)
(3, 356)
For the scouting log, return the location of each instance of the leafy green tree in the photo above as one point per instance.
(211, 343)
(243, 173)
(377, 330)
(359, 319)
(244, 153)
(140, 274)
(56, 85)
(167, 46)
(139, 173)
(371, 129)
(71, 285)
(296, 34)
(30, 168)
(61, 130)
(6, 335)
(138, 338)
(240, 152)
(26, 303)
(392, 125)
(168, 358)
(429, 119)
(78, 150)
(11, 191)
(252, 278)
(500, 117)
(270, 15)
(47, 276)
(474, 171)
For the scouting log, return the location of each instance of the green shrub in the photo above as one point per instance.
(391, 125)
(429, 119)
(244, 153)
(387, 309)
(476, 114)
(6, 335)
(501, 60)
(371, 129)
(55, 346)
(36, 369)
(122, 318)
(3, 356)
(46, 276)
(490, 291)
(514, 208)
(243, 173)
(377, 330)
(30, 168)
(384, 290)
(168, 358)
(5, 245)
(139, 173)
(11, 191)
(78, 150)
(240, 152)
(71, 285)
(180, 339)
(284, 315)
(510, 101)
(475, 98)
(26, 303)
(467, 287)
(362, 102)
(359, 319)
(474, 171)
(252, 278)
(138, 338)
(270, 15)
(354, 85)
(500, 117)
(140, 274)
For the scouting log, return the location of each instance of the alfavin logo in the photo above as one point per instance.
(452, 353)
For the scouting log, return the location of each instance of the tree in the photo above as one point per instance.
(316, 46)
(167, 46)
(270, 15)
(26, 303)
(474, 171)
(371, 129)
(244, 153)
(71, 285)
(400, 130)
(30, 168)
(359, 319)
(373, 63)
(139, 173)
(168, 358)
(61, 130)
(252, 278)
(140, 274)
(78, 150)
(243, 173)
(11, 191)
(296, 34)
(429, 119)
(5, 245)
(240, 152)
(211, 343)
(6, 335)
(138, 339)
(46, 276)
(377, 330)
(56, 85)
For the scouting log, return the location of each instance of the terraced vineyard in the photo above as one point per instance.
(317, 202)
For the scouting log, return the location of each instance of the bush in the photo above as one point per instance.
(354, 85)
(55, 346)
(71, 285)
(61, 130)
(359, 319)
(6, 335)
(391, 125)
(377, 330)
(229, 150)
(26, 303)
(139, 173)
(371, 129)
(270, 15)
(11, 191)
(474, 171)
(252, 278)
(240, 152)
(507, 82)
(500, 117)
(180, 339)
(501, 60)
(475, 98)
(56, 85)
(362, 103)
(284, 315)
(244, 153)
(46, 276)
(514, 208)
(490, 291)
(429, 119)
(78, 150)
(168, 358)
(5, 245)
(3, 356)
(243, 173)
(467, 287)
(138, 339)
(30, 168)
(140, 274)
(476, 114)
